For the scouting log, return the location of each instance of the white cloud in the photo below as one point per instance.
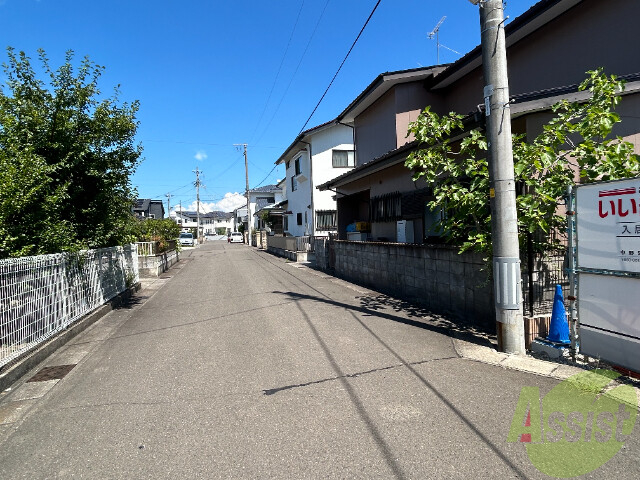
(229, 203)
(201, 155)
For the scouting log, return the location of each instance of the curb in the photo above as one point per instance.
(31, 359)
(527, 364)
(523, 363)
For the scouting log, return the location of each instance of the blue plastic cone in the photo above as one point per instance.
(559, 328)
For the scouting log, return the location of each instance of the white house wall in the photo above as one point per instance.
(299, 199)
(338, 137)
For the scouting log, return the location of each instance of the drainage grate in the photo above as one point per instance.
(52, 373)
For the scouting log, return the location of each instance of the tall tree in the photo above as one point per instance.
(575, 145)
(71, 153)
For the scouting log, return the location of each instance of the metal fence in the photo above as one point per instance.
(147, 249)
(304, 244)
(541, 272)
(39, 296)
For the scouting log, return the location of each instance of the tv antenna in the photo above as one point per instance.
(434, 33)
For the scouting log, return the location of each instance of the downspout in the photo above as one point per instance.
(313, 209)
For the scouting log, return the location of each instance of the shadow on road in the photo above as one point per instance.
(355, 400)
(408, 314)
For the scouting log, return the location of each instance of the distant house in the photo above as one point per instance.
(274, 211)
(239, 218)
(314, 157)
(209, 222)
(147, 208)
(259, 198)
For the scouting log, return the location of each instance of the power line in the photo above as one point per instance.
(294, 73)
(275, 80)
(204, 143)
(341, 65)
(265, 178)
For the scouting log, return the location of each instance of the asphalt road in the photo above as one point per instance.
(238, 364)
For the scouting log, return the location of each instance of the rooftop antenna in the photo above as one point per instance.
(434, 33)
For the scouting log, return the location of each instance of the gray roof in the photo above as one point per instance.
(216, 214)
(266, 189)
(261, 203)
(142, 204)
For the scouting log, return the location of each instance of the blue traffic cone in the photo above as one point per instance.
(559, 328)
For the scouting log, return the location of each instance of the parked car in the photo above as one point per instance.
(187, 239)
(237, 237)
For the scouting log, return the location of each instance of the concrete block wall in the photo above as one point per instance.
(435, 276)
(152, 266)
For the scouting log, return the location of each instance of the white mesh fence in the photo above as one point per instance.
(42, 295)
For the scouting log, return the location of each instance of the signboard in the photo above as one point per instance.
(608, 245)
(609, 326)
(608, 225)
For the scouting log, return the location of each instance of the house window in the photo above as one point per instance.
(299, 218)
(285, 223)
(386, 208)
(294, 184)
(343, 158)
(298, 170)
(326, 220)
(288, 164)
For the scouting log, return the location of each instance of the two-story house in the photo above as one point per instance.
(210, 222)
(315, 156)
(261, 197)
(550, 48)
(147, 208)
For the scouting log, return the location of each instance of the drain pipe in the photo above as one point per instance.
(311, 205)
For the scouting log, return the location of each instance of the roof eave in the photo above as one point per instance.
(381, 85)
(538, 15)
(300, 140)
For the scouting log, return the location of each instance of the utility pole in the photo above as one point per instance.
(504, 222)
(197, 172)
(168, 195)
(246, 175)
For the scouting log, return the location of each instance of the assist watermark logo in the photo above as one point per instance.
(578, 426)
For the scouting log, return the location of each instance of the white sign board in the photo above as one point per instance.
(608, 225)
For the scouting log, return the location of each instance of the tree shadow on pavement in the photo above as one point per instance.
(406, 313)
(422, 317)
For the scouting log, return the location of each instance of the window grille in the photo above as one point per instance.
(386, 208)
(326, 220)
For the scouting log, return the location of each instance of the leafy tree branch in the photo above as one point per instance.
(576, 145)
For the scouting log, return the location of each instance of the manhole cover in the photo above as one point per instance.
(51, 373)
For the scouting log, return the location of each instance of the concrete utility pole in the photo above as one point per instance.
(504, 222)
(168, 195)
(197, 172)
(246, 174)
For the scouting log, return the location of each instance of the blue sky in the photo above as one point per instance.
(211, 74)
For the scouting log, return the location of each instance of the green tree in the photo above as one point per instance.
(157, 230)
(70, 153)
(575, 145)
